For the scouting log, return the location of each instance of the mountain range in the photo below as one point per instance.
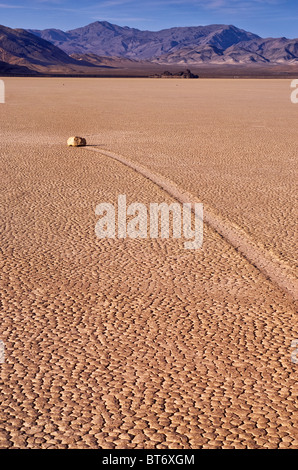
(25, 51)
(102, 45)
(255, 51)
(105, 39)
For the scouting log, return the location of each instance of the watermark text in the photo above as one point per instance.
(294, 355)
(163, 219)
(294, 94)
(2, 92)
(2, 352)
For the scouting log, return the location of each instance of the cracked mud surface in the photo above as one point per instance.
(131, 343)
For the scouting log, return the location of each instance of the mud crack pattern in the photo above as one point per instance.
(126, 344)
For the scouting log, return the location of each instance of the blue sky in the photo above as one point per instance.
(273, 18)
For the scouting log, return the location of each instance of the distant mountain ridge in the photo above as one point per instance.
(258, 51)
(101, 47)
(22, 52)
(20, 47)
(105, 39)
(214, 44)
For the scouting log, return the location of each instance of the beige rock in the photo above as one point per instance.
(76, 141)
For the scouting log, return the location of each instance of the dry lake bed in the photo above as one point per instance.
(140, 343)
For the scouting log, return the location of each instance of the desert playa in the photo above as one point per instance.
(141, 344)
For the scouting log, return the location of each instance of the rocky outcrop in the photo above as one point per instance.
(184, 74)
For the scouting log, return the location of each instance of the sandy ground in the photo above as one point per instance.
(141, 343)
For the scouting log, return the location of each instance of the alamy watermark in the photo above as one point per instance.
(294, 94)
(187, 221)
(2, 92)
(294, 99)
(2, 352)
(294, 355)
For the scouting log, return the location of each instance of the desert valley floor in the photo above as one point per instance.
(121, 343)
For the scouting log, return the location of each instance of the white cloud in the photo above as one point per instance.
(5, 5)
